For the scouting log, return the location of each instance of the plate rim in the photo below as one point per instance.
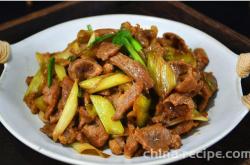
(180, 156)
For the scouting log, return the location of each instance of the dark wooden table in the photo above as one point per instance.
(13, 151)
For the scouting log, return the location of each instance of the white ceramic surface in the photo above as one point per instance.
(224, 115)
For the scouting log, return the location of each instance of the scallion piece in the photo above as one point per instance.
(102, 38)
(124, 38)
(89, 27)
(50, 70)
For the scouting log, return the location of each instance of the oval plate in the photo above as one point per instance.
(225, 112)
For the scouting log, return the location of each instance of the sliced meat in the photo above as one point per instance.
(28, 80)
(184, 127)
(50, 97)
(66, 85)
(175, 141)
(142, 37)
(55, 117)
(176, 41)
(101, 32)
(201, 57)
(188, 78)
(117, 145)
(108, 68)
(131, 145)
(209, 88)
(106, 92)
(174, 106)
(116, 92)
(84, 117)
(155, 48)
(179, 67)
(68, 136)
(128, 26)
(83, 36)
(84, 68)
(163, 42)
(48, 129)
(30, 102)
(126, 100)
(205, 95)
(133, 69)
(139, 152)
(81, 137)
(106, 50)
(156, 138)
(189, 82)
(86, 98)
(151, 33)
(95, 133)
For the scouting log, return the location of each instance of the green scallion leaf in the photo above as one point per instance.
(89, 27)
(72, 58)
(50, 70)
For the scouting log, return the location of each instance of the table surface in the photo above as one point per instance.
(14, 152)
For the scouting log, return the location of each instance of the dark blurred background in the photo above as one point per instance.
(233, 14)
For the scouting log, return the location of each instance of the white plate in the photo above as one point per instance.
(224, 115)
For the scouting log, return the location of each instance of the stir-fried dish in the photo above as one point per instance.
(124, 89)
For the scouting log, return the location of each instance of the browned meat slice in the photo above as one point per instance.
(117, 145)
(163, 42)
(126, 100)
(205, 94)
(106, 92)
(68, 136)
(175, 141)
(131, 145)
(84, 68)
(28, 80)
(156, 138)
(55, 117)
(179, 67)
(81, 137)
(83, 36)
(174, 106)
(66, 85)
(128, 26)
(106, 50)
(133, 69)
(48, 129)
(86, 98)
(207, 91)
(184, 127)
(201, 57)
(155, 48)
(95, 133)
(143, 36)
(116, 92)
(30, 102)
(101, 32)
(50, 97)
(84, 117)
(176, 41)
(139, 152)
(188, 78)
(189, 82)
(108, 68)
(151, 33)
